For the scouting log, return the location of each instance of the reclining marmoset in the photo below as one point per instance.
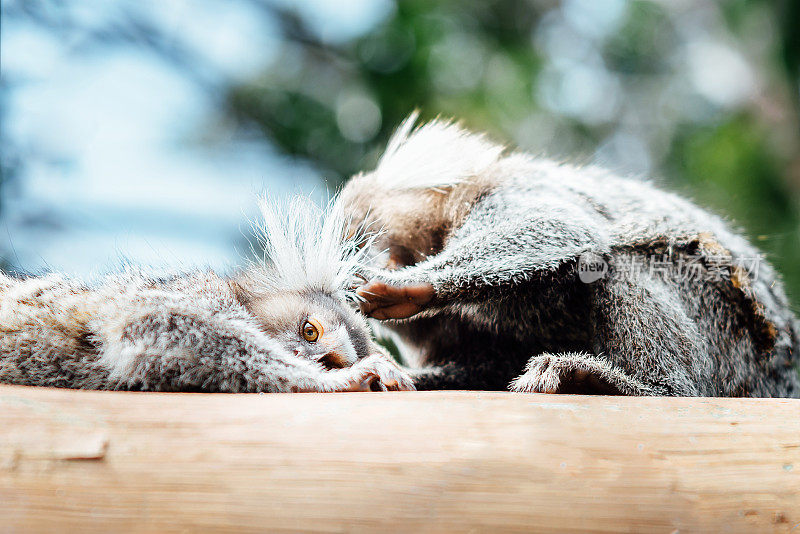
(495, 266)
(282, 325)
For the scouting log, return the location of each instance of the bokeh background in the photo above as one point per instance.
(144, 129)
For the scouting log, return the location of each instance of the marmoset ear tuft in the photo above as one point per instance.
(440, 153)
(307, 248)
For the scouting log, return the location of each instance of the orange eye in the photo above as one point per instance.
(311, 330)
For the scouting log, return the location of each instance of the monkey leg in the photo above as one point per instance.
(576, 373)
(502, 244)
(641, 327)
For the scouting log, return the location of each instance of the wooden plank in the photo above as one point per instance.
(422, 462)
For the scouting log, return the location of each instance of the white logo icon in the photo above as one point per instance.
(591, 267)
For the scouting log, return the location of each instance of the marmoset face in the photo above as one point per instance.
(314, 325)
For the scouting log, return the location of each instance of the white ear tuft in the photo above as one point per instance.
(437, 154)
(306, 248)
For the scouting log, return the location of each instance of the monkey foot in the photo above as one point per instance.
(384, 301)
(574, 373)
(543, 375)
(377, 373)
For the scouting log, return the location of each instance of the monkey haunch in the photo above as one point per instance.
(480, 275)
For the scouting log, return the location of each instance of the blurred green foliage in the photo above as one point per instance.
(309, 101)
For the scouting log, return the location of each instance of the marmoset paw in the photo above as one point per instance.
(385, 301)
(379, 373)
(567, 373)
(543, 375)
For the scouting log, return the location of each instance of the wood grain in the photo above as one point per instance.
(416, 462)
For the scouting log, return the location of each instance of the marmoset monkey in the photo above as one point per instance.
(282, 325)
(497, 266)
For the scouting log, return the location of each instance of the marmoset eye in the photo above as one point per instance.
(311, 330)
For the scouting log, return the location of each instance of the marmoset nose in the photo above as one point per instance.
(334, 360)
